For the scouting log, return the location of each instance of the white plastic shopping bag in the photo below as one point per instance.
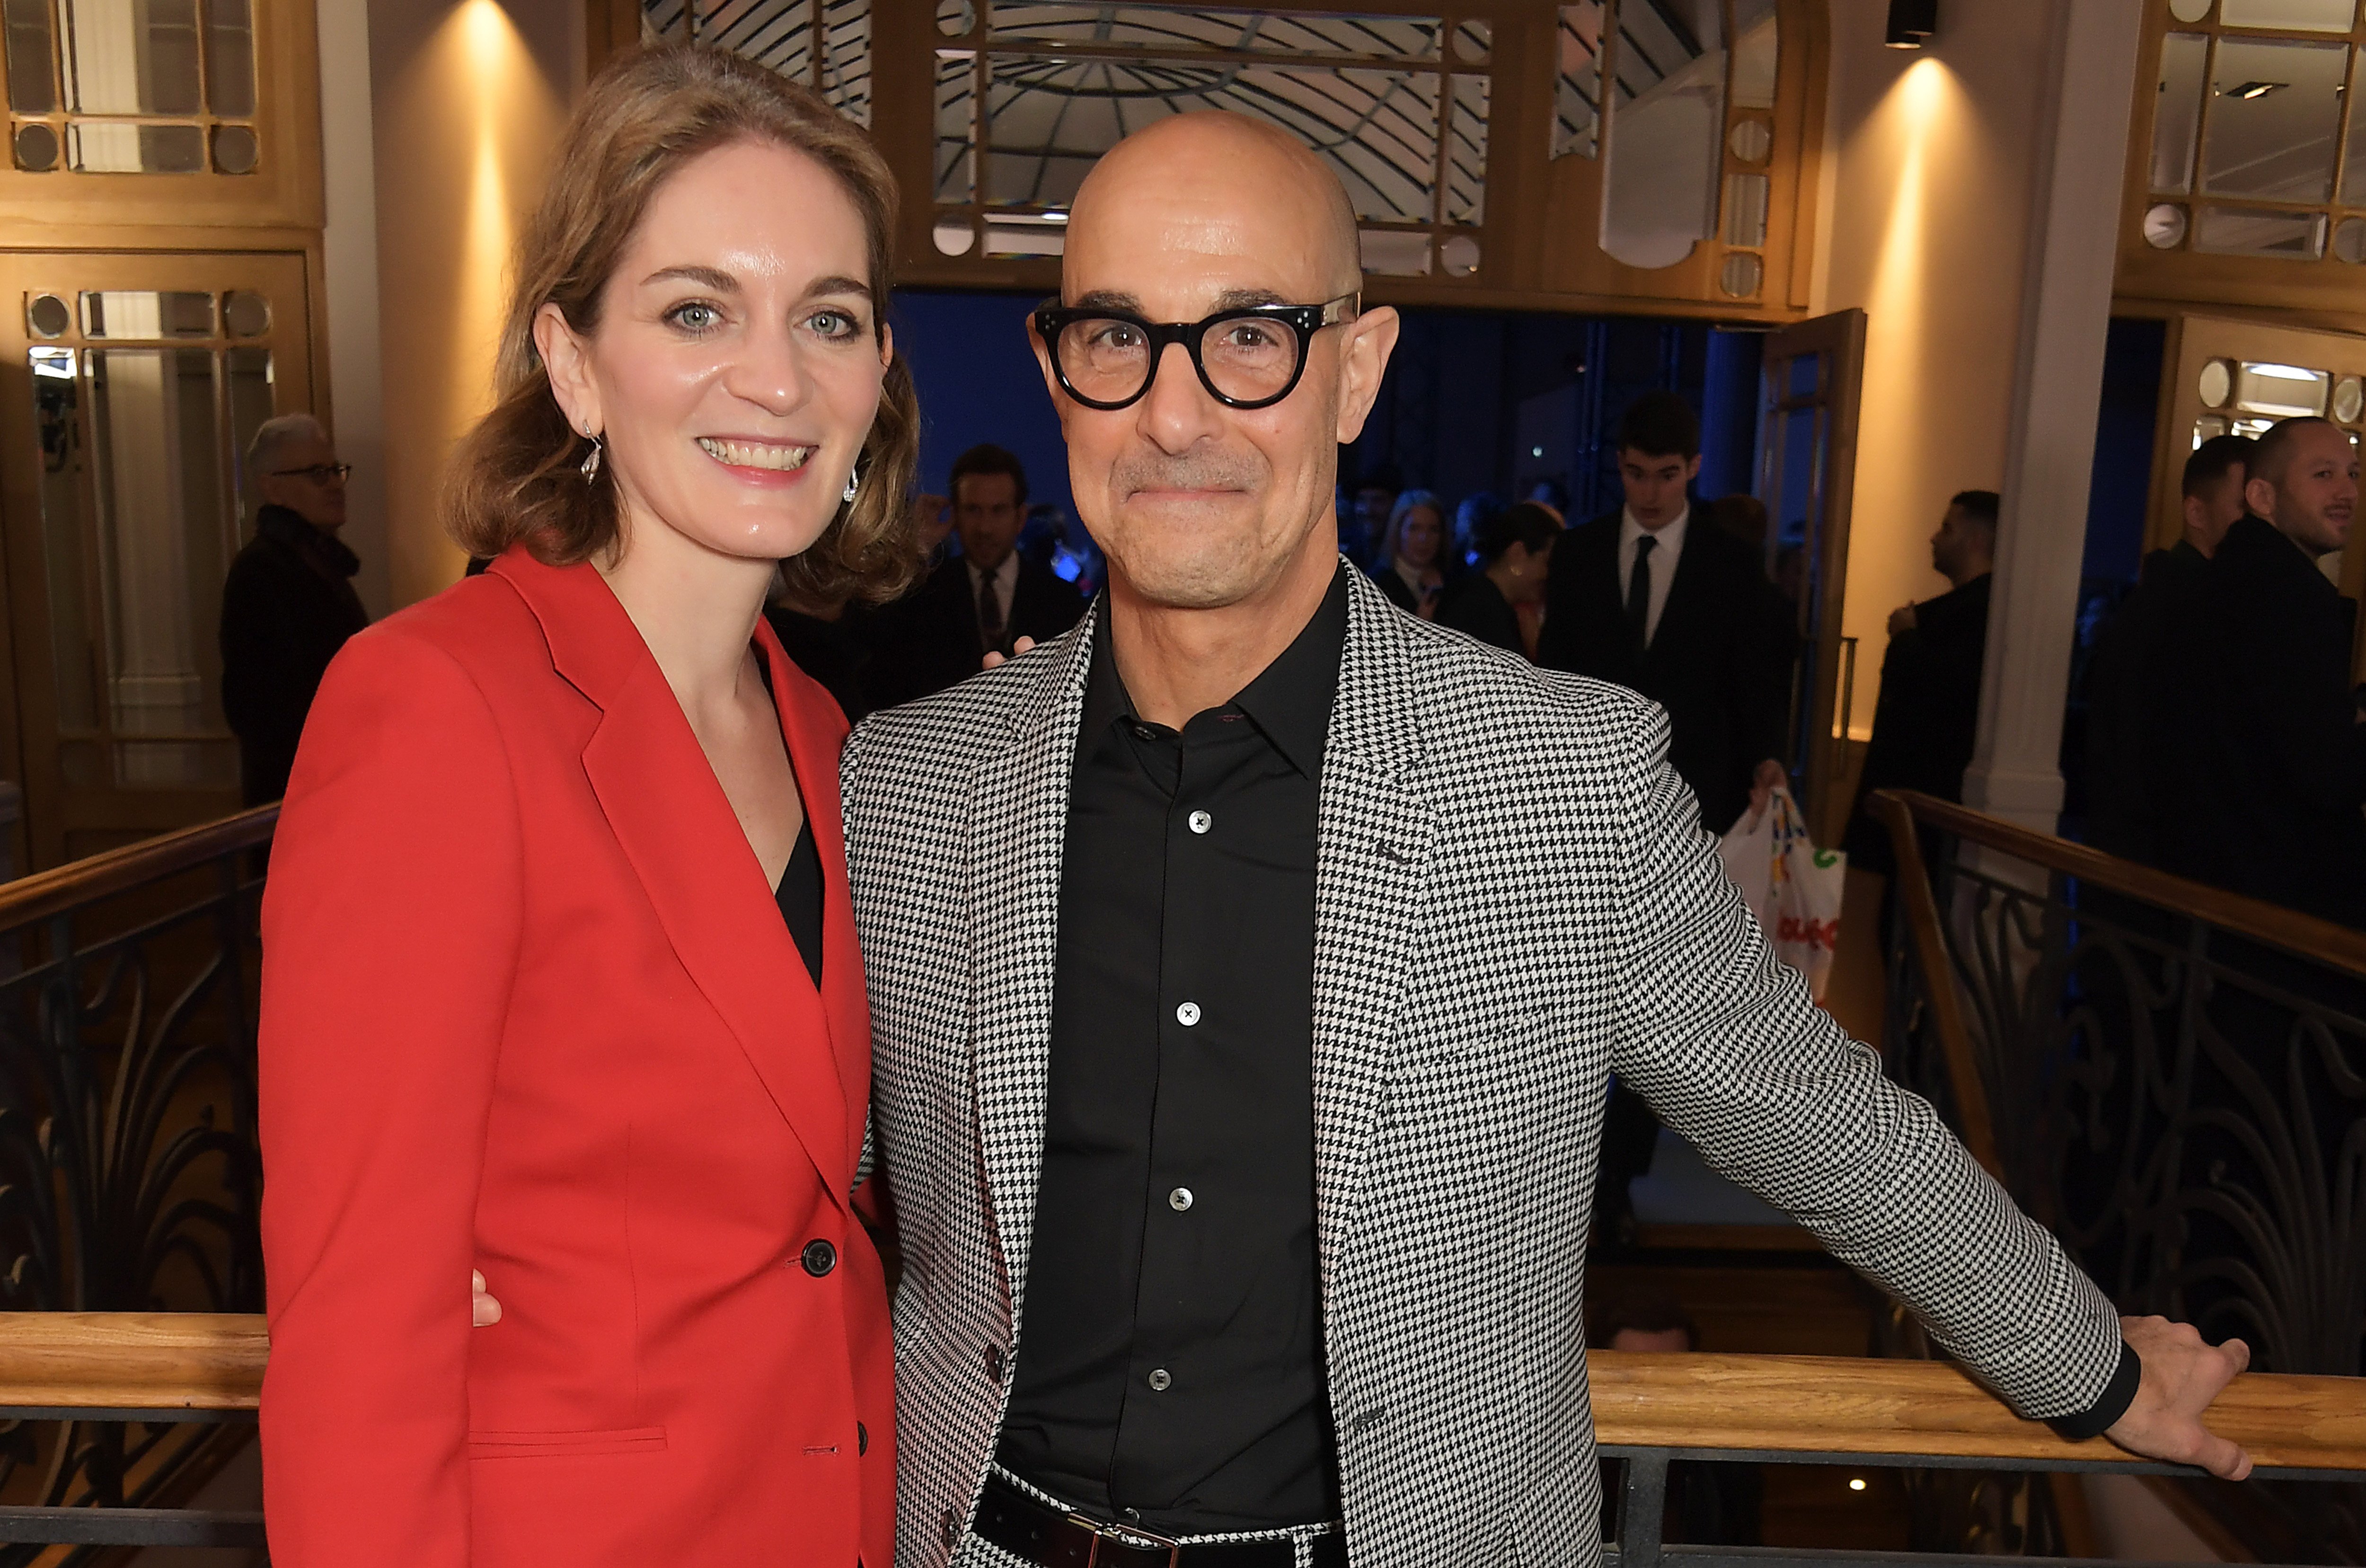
(1792, 886)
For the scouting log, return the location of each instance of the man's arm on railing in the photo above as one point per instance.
(1722, 1041)
(391, 931)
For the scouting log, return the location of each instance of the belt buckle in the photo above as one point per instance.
(1131, 1539)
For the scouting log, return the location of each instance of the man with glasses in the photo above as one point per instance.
(1247, 968)
(288, 603)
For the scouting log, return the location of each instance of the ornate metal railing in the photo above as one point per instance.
(2172, 1076)
(129, 1177)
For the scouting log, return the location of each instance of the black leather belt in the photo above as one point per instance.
(1046, 1536)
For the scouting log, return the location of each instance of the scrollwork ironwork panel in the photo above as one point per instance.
(128, 1173)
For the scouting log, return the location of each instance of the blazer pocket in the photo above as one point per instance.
(566, 1445)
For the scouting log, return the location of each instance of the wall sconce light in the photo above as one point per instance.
(1911, 22)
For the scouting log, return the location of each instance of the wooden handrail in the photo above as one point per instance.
(1787, 1403)
(132, 1361)
(2321, 941)
(1831, 1404)
(37, 897)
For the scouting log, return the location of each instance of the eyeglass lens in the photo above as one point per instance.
(1247, 358)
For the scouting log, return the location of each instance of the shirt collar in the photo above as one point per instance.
(1290, 701)
(1670, 537)
(1002, 576)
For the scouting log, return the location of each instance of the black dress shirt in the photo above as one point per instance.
(1170, 1364)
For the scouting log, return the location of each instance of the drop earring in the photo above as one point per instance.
(591, 459)
(852, 480)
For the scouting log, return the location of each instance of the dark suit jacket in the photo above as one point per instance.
(1476, 606)
(1720, 664)
(287, 606)
(2278, 771)
(929, 640)
(1929, 714)
(2138, 688)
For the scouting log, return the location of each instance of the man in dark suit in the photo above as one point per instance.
(1683, 615)
(287, 602)
(979, 602)
(2282, 756)
(1929, 712)
(2142, 678)
(1686, 616)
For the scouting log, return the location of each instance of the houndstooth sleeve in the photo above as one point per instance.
(1720, 1038)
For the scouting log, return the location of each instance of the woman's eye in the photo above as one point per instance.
(835, 323)
(695, 316)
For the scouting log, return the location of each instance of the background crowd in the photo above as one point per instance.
(2221, 737)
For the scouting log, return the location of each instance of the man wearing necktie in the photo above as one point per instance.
(979, 602)
(1684, 615)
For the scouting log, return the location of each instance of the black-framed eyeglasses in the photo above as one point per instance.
(1248, 359)
(319, 473)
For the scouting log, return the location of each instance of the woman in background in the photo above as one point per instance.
(562, 982)
(1503, 602)
(1415, 550)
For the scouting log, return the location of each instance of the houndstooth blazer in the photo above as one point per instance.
(1515, 899)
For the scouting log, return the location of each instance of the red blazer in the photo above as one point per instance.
(529, 1007)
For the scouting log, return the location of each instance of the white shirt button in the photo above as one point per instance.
(1188, 1014)
(1202, 821)
(1159, 1381)
(1179, 1200)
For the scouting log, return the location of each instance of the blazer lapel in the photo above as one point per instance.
(1372, 868)
(1019, 815)
(815, 732)
(685, 845)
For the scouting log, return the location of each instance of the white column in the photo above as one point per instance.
(354, 410)
(2090, 63)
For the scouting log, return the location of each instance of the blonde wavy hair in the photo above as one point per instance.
(516, 478)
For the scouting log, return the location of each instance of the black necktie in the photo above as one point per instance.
(989, 614)
(1639, 594)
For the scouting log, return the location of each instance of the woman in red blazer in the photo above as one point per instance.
(561, 980)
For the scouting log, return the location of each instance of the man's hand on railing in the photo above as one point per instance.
(2181, 1376)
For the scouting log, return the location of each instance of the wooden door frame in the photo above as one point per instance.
(53, 811)
(2196, 338)
(1838, 341)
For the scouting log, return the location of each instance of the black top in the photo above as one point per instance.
(1477, 607)
(2277, 769)
(1170, 1368)
(2138, 694)
(799, 893)
(1928, 716)
(288, 606)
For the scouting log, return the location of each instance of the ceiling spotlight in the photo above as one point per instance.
(2248, 90)
(1911, 22)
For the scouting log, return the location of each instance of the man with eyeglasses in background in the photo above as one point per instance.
(288, 603)
(1246, 971)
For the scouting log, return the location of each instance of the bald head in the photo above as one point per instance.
(1202, 503)
(2303, 478)
(1227, 156)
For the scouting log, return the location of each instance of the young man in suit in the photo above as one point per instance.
(979, 602)
(1683, 615)
(1247, 968)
